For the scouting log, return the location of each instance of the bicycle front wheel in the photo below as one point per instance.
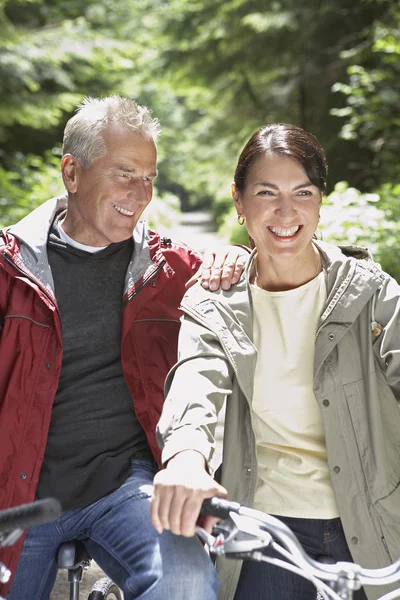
(105, 589)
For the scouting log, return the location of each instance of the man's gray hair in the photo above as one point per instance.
(83, 134)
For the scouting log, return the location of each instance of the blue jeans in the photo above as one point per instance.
(118, 533)
(321, 539)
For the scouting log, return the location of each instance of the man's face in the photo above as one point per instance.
(107, 200)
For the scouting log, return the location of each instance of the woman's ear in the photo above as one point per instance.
(236, 199)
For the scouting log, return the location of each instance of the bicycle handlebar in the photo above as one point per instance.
(219, 507)
(27, 515)
(262, 526)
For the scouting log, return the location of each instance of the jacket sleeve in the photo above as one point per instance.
(3, 288)
(195, 391)
(386, 313)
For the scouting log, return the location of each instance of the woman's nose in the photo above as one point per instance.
(285, 207)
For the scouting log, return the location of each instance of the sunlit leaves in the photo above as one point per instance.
(372, 115)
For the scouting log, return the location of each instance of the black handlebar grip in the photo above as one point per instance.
(218, 507)
(26, 515)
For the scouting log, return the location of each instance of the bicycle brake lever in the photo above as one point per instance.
(236, 537)
(215, 543)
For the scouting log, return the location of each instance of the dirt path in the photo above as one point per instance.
(197, 230)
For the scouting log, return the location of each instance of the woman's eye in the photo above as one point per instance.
(265, 193)
(305, 193)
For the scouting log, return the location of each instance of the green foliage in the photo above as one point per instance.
(162, 212)
(237, 64)
(372, 220)
(52, 53)
(29, 181)
(213, 72)
(372, 112)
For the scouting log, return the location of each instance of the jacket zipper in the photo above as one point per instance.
(143, 284)
(32, 278)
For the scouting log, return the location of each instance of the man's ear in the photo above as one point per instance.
(70, 168)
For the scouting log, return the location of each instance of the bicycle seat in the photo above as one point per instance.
(71, 555)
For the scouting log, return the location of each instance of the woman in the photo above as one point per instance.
(306, 350)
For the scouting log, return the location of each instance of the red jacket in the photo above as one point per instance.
(31, 343)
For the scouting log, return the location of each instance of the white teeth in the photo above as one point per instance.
(124, 211)
(284, 231)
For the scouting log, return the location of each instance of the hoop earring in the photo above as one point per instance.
(240, 220)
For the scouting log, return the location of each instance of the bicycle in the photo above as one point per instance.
(244, 533)
(75, 558)
(72, 556)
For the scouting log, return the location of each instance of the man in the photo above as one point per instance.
(89, 322)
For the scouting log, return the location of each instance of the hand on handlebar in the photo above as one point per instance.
(179, 491)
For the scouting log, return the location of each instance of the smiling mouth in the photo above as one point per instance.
(285, 232)
(124, 211)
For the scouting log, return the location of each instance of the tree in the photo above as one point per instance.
(238, 64)
(372, 112)
(52, 54)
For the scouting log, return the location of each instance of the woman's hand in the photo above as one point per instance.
(179, 491)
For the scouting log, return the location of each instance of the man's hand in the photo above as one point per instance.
(221, 267)
(179, 491)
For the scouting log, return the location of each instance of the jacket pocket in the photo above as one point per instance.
(375, 418)
(388, 509)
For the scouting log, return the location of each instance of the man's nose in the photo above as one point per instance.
(139, 191)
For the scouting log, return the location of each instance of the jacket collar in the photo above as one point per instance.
(352, 278)
(33, 230)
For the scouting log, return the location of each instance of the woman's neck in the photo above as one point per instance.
(287, 273)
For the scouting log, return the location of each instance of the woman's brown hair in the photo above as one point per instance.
(281, 138)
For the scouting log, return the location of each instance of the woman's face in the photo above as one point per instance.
(280, 205)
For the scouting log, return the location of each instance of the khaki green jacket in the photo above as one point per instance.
(356, 384)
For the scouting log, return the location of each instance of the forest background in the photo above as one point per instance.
(212, 71)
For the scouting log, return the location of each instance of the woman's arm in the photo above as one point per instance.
(386, 314)
(195, 392)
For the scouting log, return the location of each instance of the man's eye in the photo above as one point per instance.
(265, 193)
(305, 193)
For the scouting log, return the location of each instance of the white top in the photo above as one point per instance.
(293, 476)
(69, 240)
